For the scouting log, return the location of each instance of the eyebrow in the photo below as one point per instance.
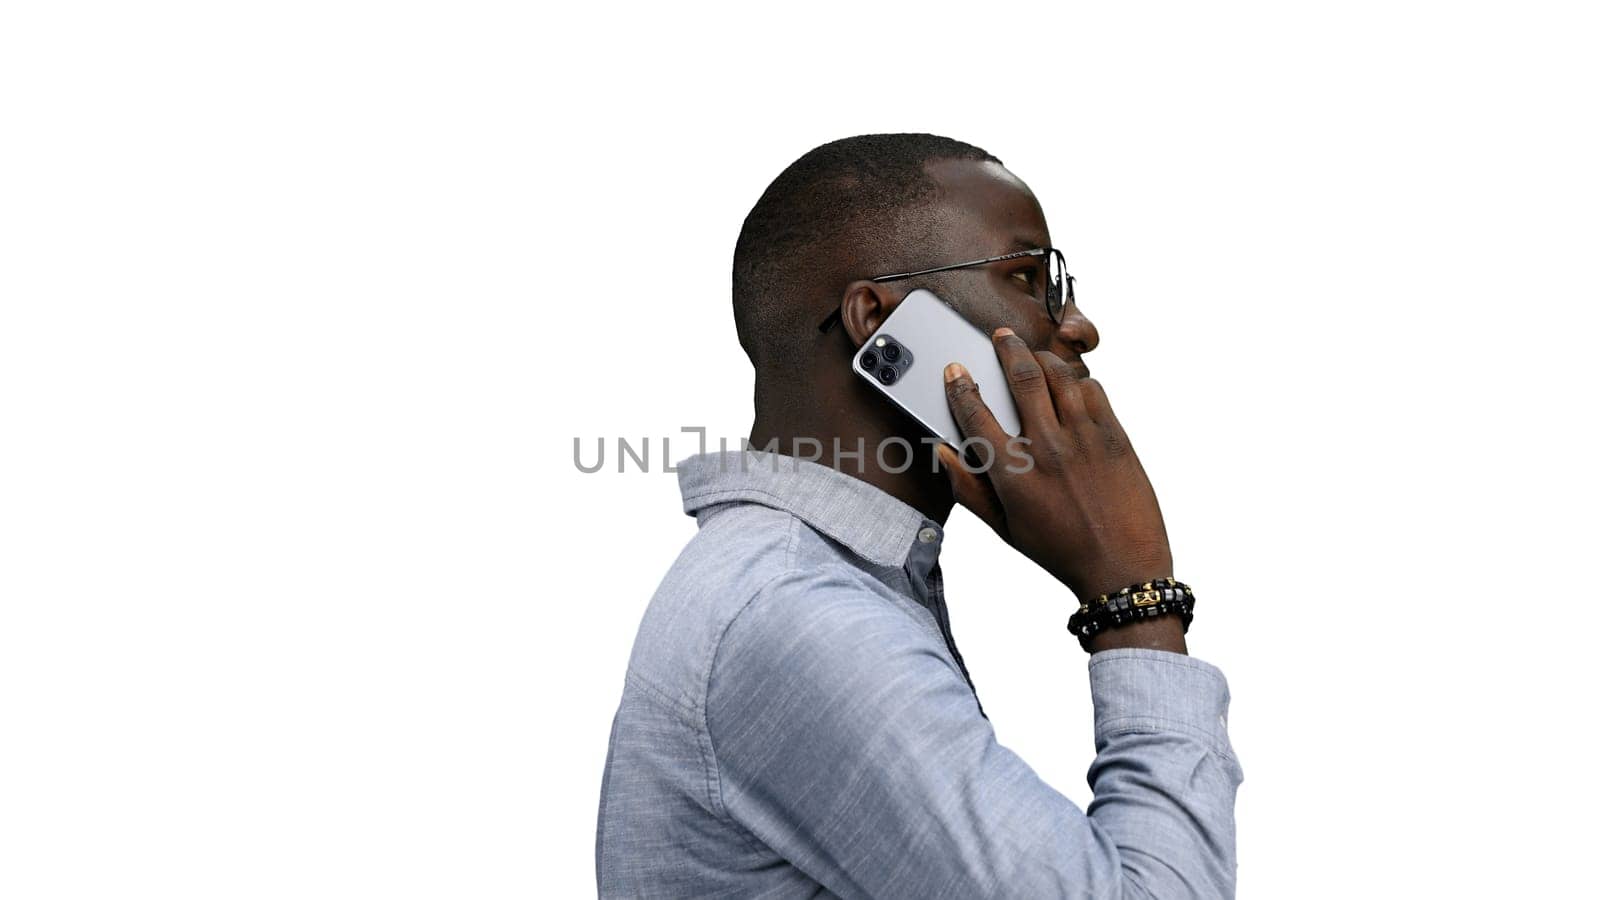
(1023, 243)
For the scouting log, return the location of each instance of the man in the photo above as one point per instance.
(795, 718)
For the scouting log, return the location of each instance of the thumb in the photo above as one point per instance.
(972, 490)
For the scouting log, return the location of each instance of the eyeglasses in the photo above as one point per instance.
(1057, 283)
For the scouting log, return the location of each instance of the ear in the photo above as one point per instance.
(864, 307)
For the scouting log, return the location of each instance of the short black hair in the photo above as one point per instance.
(846, 194)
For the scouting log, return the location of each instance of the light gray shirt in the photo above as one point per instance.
(796, 721)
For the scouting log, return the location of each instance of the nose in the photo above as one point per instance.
(1075, 333)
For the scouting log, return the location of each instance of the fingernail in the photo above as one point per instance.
(953, 371)
(1003, 332)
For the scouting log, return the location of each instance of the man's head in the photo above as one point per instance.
(871, 205)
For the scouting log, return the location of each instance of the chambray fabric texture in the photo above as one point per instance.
(796, 721)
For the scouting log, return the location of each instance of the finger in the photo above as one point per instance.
(1066, 390)
(1026, 379)
(1092, 421)
(1071, 406)
(1096, 402)
(972, 491)
(1058, 376)
(972, 415)
(1099, 408)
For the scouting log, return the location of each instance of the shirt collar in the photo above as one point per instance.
(878, 527)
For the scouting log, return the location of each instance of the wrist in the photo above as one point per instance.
(1153, 614)
(1087, 589)
(1161, 633)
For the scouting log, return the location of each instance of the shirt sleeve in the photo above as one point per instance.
(843, 737)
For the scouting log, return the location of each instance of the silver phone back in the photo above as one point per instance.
(935, 335)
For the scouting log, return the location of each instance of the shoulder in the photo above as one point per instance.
(816, 604)
(819, 634)
(734, 552)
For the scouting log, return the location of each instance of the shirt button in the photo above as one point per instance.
(927, 535)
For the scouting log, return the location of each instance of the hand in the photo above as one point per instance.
(1085, 511)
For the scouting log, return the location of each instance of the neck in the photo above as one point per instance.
(852, 447)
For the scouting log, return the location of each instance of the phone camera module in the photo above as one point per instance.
(891, 353)
(869, 360)
(888, 375)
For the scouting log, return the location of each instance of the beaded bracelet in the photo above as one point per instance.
(1147, 600)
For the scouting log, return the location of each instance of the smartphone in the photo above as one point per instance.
(905, 359)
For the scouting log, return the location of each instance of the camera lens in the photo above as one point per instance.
(891, 352)
(869, 360)
(888, 375)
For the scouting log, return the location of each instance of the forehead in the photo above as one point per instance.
(984, 209)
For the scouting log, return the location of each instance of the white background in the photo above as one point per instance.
(305, 303)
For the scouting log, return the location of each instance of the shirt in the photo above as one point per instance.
(795, 721)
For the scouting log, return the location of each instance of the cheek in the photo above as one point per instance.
(1040, 335)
